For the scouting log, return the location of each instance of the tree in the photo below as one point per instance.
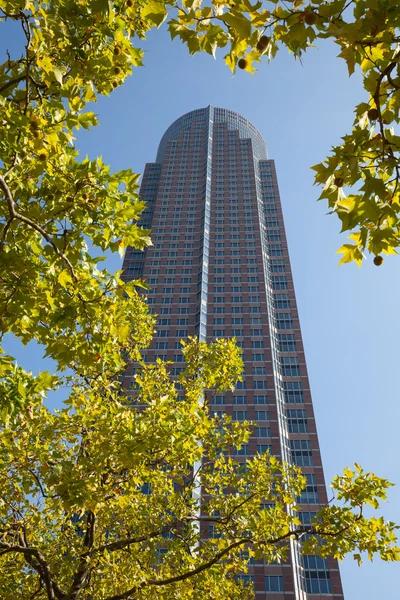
(84, 49)
(93, 494)
(367, 33)
(99, 500)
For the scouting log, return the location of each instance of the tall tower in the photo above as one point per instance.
(220, 267)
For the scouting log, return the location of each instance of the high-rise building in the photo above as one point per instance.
(220, 267)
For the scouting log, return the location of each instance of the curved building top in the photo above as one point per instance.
(219, 115)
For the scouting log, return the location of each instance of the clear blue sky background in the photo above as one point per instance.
(349, 316)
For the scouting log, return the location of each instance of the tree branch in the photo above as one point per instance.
(37, 561)
(38, 482)
(12, 82)
(297, 533)
(81, 574)
(160, 582)
(16, 215)
(120, 544)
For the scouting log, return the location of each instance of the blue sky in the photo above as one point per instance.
(349, 316)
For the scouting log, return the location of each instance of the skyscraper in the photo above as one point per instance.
(220, 267)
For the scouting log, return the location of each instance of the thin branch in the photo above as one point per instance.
(16, 215)
(120, 544)
(5, 230)
(38, 482)
(12, 82)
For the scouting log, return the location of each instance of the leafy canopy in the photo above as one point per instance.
(367, 34)
(98, 500)
(77, 50)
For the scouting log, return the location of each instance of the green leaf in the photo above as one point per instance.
(155, 12)
(64, 279)
(240, 24)
(58, 75)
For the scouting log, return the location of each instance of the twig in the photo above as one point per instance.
(16, 215)
(12, 82)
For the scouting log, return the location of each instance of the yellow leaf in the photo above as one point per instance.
(64, 279)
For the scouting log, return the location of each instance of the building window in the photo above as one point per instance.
(182, 333)
(270, 210)
(306, 518)
(237, 309)
(263, 448)
(237, 320)
(237, 332)
(220, 399)
(162, 333)
(293, 391)
(161, 345)
(279, 282)
(290, 366)
(261, 399)
(218, 332)
(259, 371)
(297, 420)
(256, 332)
(301, 453)
(287, 342)
(257, 343)
(239, 415)
(219, 321)
(263, 432)
(310, 494)
(262, 415)
(277, 266)
(239, 400)
(177, 370)
(318, 579)
(284, 321)
(275, 250)
(260, 385)
(274, 583)
(254, 309)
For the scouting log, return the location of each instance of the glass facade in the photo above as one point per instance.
(220, 267)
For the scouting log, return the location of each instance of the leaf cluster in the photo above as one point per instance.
(367, 33)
